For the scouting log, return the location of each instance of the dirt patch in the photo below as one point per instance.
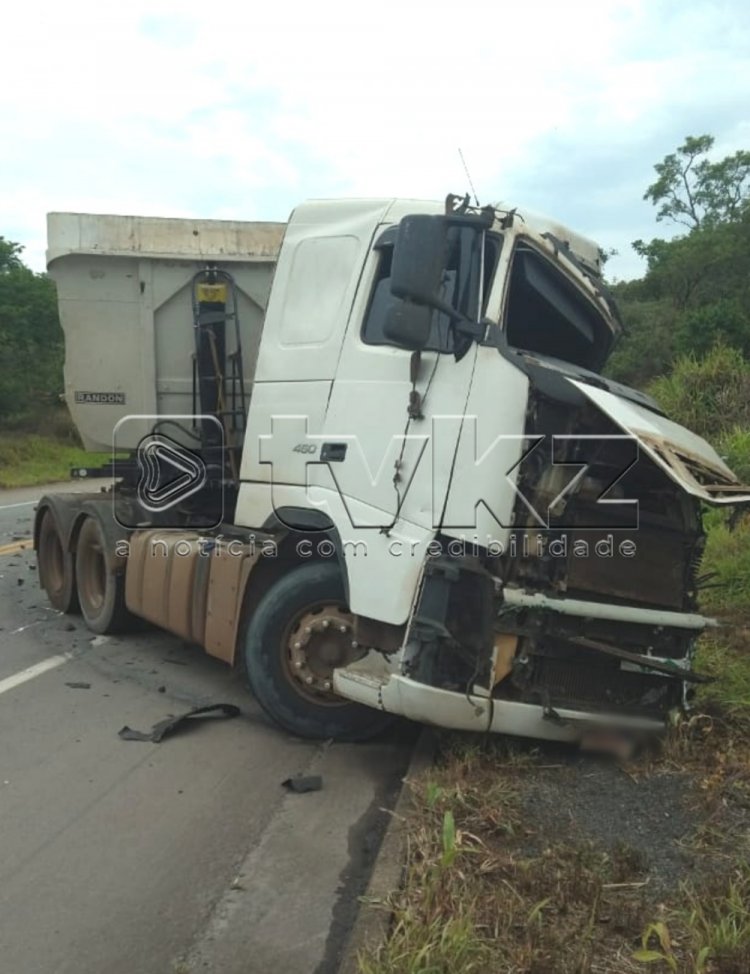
(596, 800)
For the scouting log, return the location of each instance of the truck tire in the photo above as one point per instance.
(56, 565)
(307, 606)
(101, 591)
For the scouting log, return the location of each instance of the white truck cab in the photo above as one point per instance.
(434, 505)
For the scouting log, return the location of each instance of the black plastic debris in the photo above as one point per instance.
(162, 729)
(78, 686)
(301, 783)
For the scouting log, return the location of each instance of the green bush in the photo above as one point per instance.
(711, 396)
(734, 447)
(727, 560)
(726, 321)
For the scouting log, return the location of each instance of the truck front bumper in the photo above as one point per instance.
(445, 708)
(383, 685)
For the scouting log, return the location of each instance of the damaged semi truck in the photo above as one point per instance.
(370, 457)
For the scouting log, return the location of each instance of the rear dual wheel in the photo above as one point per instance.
(56, 565)
(101, 589)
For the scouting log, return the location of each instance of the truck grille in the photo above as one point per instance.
(605, 687)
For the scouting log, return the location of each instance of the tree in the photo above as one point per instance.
(695, 293)
(700, 266)
(31, 340)
(646, 350)
(695, 192)
(10, 256)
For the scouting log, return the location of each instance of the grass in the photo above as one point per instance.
(709, 395)
(716, 922)
(27, 459)
(725, 659)
(723, 654)
(734, 448)
(708, 933)
(482, 894)
(726, 567)
(483, 891)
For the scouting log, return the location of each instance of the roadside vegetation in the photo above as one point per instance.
(528, 860)
(32, 458)
(31, 340)
(500, 877)
(38, 443)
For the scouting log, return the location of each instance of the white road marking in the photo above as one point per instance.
(10, 682)
(28, 625)
(7, 507)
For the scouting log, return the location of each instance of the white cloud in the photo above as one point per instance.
(171, 107)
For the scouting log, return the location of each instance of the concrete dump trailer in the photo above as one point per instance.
(127, 297)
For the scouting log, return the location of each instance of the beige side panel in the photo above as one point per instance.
(134, 571)
(160, 579)
(229, 571)
(181, 594)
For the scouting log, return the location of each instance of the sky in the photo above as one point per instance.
(178, 108)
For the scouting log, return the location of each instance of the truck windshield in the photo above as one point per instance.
(547, 314)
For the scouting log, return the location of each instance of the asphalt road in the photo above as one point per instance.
(122, 856)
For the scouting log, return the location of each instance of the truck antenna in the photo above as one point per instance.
(468, 176)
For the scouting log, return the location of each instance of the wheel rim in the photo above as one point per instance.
(92, 573)
(319, 639)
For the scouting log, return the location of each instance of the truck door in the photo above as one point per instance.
(394, 417)
(391, 431)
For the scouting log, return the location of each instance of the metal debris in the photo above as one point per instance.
(301, 783)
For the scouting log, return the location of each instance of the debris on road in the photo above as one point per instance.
(170, 724)
(78, 686)
(302, 783)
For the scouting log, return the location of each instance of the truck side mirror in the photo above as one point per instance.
(419, 258)
(408, 325)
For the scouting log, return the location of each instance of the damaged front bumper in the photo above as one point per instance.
(517, 599)
(401, 695)
(394, 684)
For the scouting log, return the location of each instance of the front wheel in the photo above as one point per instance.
(299, 633)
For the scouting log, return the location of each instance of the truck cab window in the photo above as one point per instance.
(545, 313)
(381, 301)
(460, 286)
